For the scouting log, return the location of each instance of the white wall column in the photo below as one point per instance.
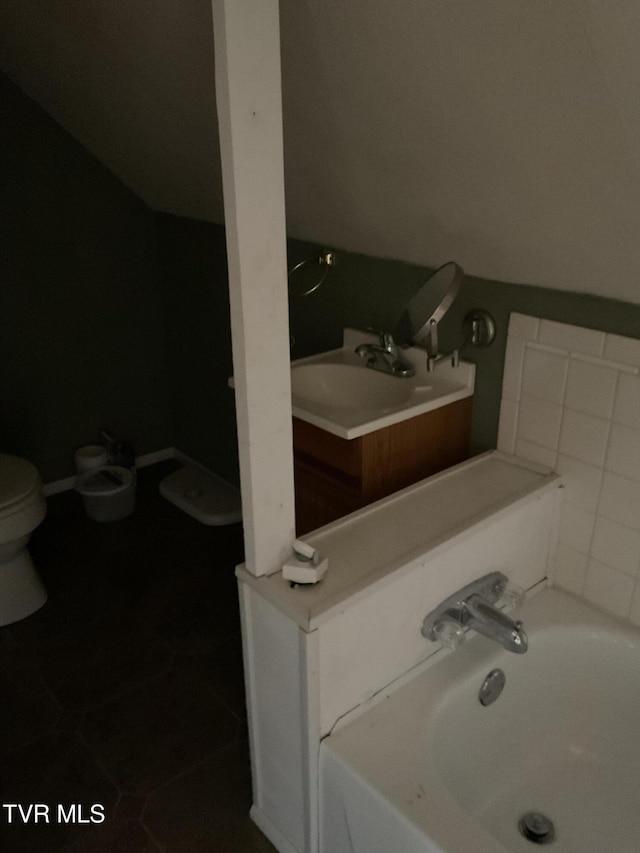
(248, 90)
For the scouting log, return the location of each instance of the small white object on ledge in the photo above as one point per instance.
(306, 565)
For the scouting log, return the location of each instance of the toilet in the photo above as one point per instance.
(22, 508)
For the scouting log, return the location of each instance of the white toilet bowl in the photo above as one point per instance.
(22, 508)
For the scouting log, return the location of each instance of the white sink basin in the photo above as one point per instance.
(348, 386)
(337, 391)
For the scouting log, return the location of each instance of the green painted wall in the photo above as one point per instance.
(196, 301)
(81, 326)
(113, 316)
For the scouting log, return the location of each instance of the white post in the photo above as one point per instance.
(248, 90)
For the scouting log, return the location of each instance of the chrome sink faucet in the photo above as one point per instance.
(384, 357)
(474, 607)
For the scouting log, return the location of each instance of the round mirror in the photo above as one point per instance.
(429, 305)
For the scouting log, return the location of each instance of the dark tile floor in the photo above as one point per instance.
(125, 691)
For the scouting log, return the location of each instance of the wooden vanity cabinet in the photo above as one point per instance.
(335, 476)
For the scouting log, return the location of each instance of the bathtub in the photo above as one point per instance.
(432, 770)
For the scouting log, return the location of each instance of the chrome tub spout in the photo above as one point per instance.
(493, 623)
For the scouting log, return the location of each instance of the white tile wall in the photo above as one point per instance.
(626, 409)
(590, 388)
(571, 400)
(625, 350)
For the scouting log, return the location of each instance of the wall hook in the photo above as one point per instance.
(479, 328)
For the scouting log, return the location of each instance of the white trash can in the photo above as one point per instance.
(109, 493)
(90, 457)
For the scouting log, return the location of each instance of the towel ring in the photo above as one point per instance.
(307, 276)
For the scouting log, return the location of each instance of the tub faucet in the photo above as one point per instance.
(473, 607)
(493, 623)
(384, 357)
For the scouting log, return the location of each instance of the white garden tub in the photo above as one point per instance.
(432, 770)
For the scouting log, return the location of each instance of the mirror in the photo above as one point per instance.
(418, 324)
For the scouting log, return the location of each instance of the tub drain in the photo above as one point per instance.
(537, 828)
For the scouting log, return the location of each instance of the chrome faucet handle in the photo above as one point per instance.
(386, 342)
(385, 339)
(489, 588)
(510, 594)
(448, 633)
(384, 357)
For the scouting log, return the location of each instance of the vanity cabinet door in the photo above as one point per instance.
(335, 476)
(402, 454)
(321, 499)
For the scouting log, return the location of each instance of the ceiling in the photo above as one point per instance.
(504, 134)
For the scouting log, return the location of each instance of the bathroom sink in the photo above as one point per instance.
(337, 392)
(348, 386)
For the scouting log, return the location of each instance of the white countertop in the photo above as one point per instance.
(422, 393)
(425, 391)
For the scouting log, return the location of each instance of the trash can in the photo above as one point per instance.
(90, 457)
(109, 493)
